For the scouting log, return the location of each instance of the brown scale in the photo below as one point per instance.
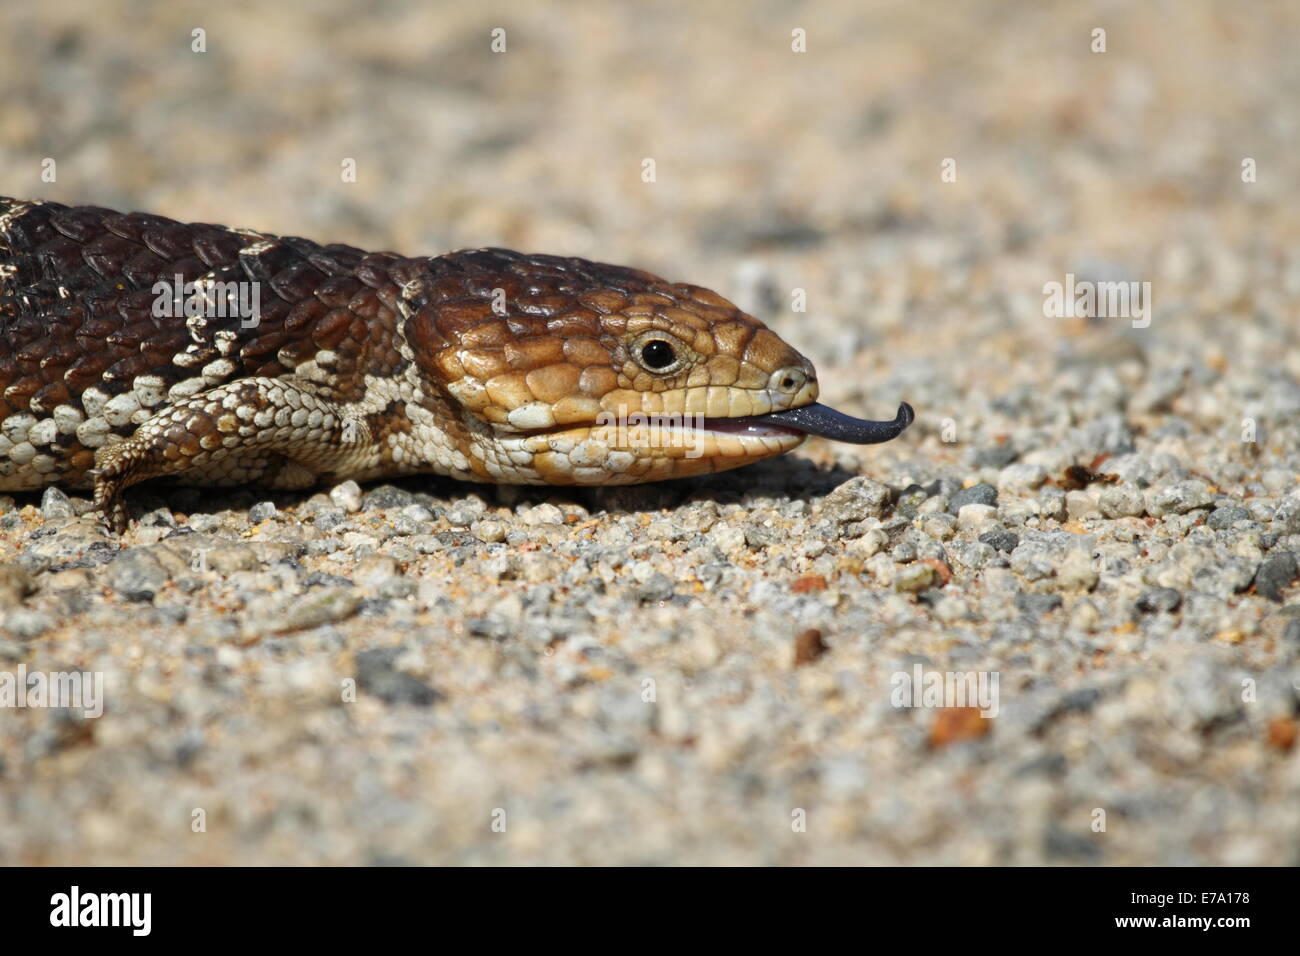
(559, 305)
(76, 307)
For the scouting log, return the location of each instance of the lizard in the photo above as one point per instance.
(133, 346)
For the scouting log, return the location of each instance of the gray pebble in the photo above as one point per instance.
(262, 511)
(759, 536)
(1225, 578)
(56, 504)
(1036, 605)
(387, 496)
(327, 519)
(1051, 504)
(1275, 573)
(461, 515)
(137, 575)
(658, 588)
(490, 625)
(1178, 498)
(1226, 516)
(995, 456)
(855, 500)
(1159, 599)
(377, 676)
(1286, 517)
(1021, 478)
(203, 523)
(1122, 501)
(1001, 539)
(981, 494)
(316, 608)
(158, 518)
(974, 554)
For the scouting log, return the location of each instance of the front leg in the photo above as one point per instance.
(272, 430)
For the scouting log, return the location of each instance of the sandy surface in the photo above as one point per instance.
(629, 676)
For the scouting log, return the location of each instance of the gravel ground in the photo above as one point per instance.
(1099, 515)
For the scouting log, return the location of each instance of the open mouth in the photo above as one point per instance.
(817, 419)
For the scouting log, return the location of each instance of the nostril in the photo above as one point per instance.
(788, 380)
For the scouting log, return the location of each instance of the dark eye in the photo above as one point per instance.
(658, 354)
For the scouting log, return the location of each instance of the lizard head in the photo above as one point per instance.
(572, 372)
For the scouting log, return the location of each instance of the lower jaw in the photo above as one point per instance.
(613, 455)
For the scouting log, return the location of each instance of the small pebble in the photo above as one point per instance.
(1275, 573)
(347, 495)
(973, 516)
(914, 577)
(56, 504)
(262, 511)
(1121, 501)
(1159, 599)
(1036, 605)
(855, 500)
(1001, 539)
(489, 530)
(981, 494)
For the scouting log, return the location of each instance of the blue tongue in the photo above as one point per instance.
(818, 419)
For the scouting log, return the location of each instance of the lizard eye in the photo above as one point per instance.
(657, 355)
